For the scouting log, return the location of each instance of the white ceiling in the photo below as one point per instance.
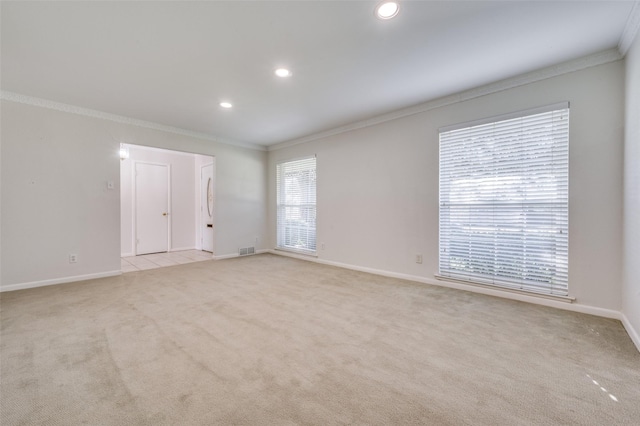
(173, 62)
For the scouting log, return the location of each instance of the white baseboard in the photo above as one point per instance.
(33, 284)
(575, 307)
(225, 256)
(232, 255)
(633, 333)
(183, 248)
(172, 250)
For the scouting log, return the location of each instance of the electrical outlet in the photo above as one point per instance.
(256, 240)
(73, 258)
(418, 258)
(322, 246)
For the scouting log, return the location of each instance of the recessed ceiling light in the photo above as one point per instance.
(283, 72)
(387, 9)
(225, 105)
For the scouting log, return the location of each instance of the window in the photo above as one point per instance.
(504, 201)
(296, 200)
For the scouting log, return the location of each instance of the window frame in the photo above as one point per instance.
(557, 286)
(280, 192)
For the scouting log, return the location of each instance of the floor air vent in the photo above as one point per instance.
(247, 250)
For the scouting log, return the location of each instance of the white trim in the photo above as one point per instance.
(289, 160)
(170, 250)
(232, 255)
(63, 280)
(199, 219)
(504, 117)
(585, 309)
(134, 229)
(630, 29)
(161, 150)
(214, 245)
(281, 167)
(600, 58)
(169, 209)
(225, 256)
(181, 249)
(565, 299)
(632, 332)
(300, 256)
(73, 109)
(305, 253)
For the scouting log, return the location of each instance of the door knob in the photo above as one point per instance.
(164, 214)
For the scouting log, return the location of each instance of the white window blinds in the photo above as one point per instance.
(296, 204)
(504, 202)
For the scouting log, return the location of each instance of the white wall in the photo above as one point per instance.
(631, 286)
(55, 166)
(184, 191)
(378, 186)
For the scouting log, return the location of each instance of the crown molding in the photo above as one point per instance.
(610, 55)
(604, 57)
(73, 109)
(630, 29)
(162, 150)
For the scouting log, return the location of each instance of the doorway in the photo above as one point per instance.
(161, 200)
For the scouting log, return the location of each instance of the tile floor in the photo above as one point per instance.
(159, 260)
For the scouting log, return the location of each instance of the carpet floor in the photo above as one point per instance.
(270, 340)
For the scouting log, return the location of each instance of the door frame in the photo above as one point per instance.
(213, 213)
(134, 203)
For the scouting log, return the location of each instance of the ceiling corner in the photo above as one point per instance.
(630, 29)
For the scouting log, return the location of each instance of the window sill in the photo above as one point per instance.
(300, 252)
(565, 299)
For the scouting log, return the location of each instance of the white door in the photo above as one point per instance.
(206, 207)
(152, 208)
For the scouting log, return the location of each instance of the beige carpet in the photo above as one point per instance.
(269, 340)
